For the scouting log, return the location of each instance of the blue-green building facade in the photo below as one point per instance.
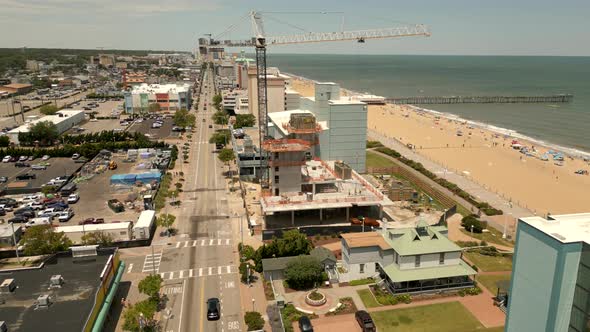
(550, 287)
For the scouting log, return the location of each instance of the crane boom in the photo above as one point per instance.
(318, 37)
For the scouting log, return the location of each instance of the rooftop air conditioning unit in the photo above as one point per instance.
(43, 301)
(56, 281)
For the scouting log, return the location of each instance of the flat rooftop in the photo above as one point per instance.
(281, 119)
(160, 88)
(566, 228)
(60, 116)
(331, 191)
(72, 303)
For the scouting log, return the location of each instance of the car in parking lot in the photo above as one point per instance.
(3, 179)
(365, 321)
(213, 309)
(22, 158)
(26, 176)
(39, 167)
(6, 159)
(6, 207)
(21, 164)
(45, 157)
(25, 213)
(37, 221)
(18, 219)
(91, 221)
(65, 215)
(75, 156)
(73, 198)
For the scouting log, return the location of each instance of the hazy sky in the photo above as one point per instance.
(498, 27)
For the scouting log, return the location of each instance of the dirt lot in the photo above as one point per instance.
(57, 167)
(95, 192)
(333, 323)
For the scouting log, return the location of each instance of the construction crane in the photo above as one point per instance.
(260, 42)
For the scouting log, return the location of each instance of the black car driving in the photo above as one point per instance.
(213, 309)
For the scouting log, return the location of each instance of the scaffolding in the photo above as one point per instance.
(286, 145)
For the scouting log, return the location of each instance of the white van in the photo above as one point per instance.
(37, 222)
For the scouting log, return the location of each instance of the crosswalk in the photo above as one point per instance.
(151, 263)
(199, 272)
(202, 243)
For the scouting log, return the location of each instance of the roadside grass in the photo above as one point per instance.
(368, 299)
(378, 161)
(491, 237)
(489, 263)
(490, 281)
(443, 317)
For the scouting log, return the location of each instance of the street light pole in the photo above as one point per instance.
(15, 244)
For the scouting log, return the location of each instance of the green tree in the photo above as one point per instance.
(183, 118)
(245, 271)
(245, 120)
(468, 221)
(45, 132)
(150, 286)
(48, 190)
(217, 100)
(42, 240)
(303, 272)
(220, 118)
(100, 238)
(220, 137)
(4, 141)
(166, 220)
(254, 320)
(48, 109)
(154, 108)
(131, 317)
(226, 155)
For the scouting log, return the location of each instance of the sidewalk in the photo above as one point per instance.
(476, 190)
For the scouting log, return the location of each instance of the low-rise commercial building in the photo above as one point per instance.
(119, 232)
(169, 97)
(550, 285)
(63, 121)
(407, 260)
(72, 291)
(17, 88)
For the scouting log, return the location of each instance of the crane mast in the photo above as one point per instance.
(260, 41)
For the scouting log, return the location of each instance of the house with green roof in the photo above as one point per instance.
(407, 260)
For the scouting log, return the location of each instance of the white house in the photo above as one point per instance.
(408, 260)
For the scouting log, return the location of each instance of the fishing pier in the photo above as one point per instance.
(562, 98)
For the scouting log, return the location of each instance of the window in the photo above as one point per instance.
(276, 168)
(362, 268)
(276, 179)
(441, 258)
(395, 255)
(376, 267)
(417, 261)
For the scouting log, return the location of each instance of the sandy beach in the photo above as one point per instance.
(484, 156)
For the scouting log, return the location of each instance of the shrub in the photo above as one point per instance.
(244, 268)
(404, 298)
(303, 272)
(315, 296)
(359, 282)
(374, 144)
(471, 222)
(254, 320)
(490, 251)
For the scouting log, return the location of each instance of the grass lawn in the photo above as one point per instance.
(489, 263)
(490, 281)
(451, 316)
(491, 237)
(375, 160)
(368, 298)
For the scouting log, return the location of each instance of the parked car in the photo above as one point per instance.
(45, 157)
(6, 207)
(73, 198)
(26, 176)
(37, 221)
(6, 159)
(39, 167)
(22, 158)
(213, 309)
(305, 324)
(35, 205)
(365, 321)
(31, 158)
(25, 213)
(3, 179)
(21, 164)
(8, 201)
(89, 221)
(75, 156)
(2, 212)
(50, 211)
(65, 215)
(18, 219)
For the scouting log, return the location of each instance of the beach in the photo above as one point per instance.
(483, 155)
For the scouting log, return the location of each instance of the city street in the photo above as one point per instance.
(201, 261)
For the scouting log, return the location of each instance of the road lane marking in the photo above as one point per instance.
(218, 242)
(171, 275)
(210, 269)
(185, 244)
(229, 269)
(130, 268)
(177, 244)
(181, 305)
(202, 299)
(227, 242)
(219, 270)
(202, 242)
(190, 273)
(200, 272)
(181, 274)
(194, 243)
(211, 242)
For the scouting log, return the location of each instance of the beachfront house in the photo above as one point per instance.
(407, 260)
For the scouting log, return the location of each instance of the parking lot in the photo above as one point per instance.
(57, 167)
(97, 125)
(145, 127)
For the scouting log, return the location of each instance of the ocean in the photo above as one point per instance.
(564, 124)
